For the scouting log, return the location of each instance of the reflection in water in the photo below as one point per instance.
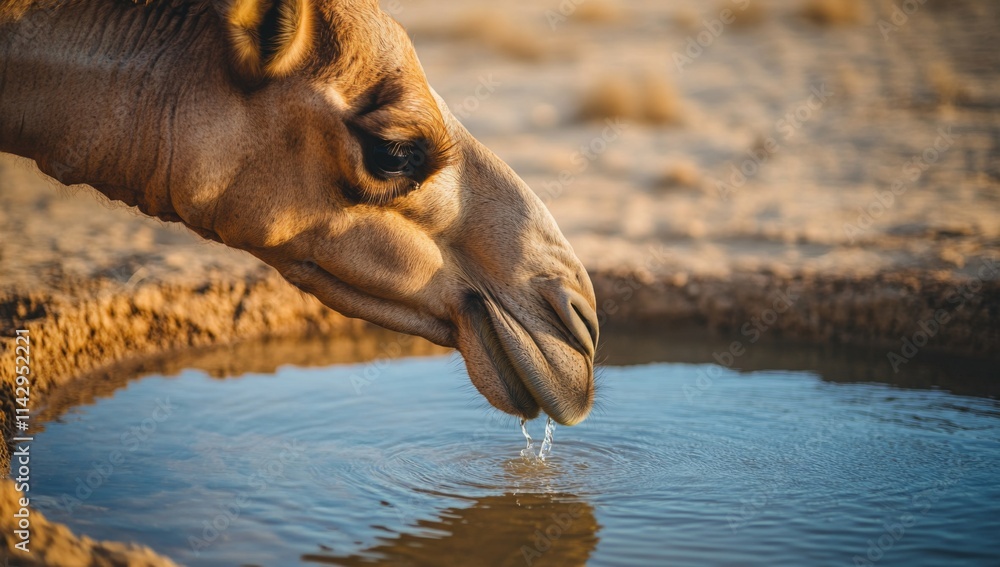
(845, 364)
(510, 530)
(264, 356)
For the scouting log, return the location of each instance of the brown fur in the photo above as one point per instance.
(158, 112)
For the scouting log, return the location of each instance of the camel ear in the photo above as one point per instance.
(269, 38)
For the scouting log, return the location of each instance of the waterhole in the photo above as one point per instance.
(791, 461)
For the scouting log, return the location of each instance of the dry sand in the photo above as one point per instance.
(631, 131)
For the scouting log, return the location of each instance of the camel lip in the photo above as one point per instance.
(500, 329)
(519, 397)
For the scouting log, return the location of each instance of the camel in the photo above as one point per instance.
(304, 132)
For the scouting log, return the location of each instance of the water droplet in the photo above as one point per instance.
(529, 449)
(528, 452)
(546, 449)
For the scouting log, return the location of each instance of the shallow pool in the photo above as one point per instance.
(400, 462)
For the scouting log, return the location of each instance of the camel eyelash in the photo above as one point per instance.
(393, 159)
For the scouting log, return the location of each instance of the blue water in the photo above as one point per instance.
(400, 462)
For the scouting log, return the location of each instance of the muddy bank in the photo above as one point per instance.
(934, 311)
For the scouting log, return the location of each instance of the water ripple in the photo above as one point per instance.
(762, 468)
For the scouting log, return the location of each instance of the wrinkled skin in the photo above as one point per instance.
(329, 158)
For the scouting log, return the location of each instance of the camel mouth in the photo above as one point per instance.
(525, 358)
(512, 396)
(523, 382)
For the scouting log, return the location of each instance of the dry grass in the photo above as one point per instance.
(493, 29)
(687, 19)
(599, 12)
(680, 175)
(650, 99)
(659, 100)
(611, 97)
(763, 146)
(753, 15)
(690, 20)
(834, 12)
(503, 35)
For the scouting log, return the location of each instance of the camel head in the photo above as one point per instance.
(347, 173)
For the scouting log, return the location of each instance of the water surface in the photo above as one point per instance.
(400, 462)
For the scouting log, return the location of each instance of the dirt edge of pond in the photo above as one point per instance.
(83, 328)
(54, 545)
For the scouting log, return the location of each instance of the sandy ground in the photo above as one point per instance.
(845, 158)
(811, 166)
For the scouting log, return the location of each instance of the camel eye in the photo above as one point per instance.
(393, 159)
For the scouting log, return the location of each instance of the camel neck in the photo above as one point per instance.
(89, 92)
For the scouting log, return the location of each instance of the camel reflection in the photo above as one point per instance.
(508, 530)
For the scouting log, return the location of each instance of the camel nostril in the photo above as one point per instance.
(590, 321)
(579, 318)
